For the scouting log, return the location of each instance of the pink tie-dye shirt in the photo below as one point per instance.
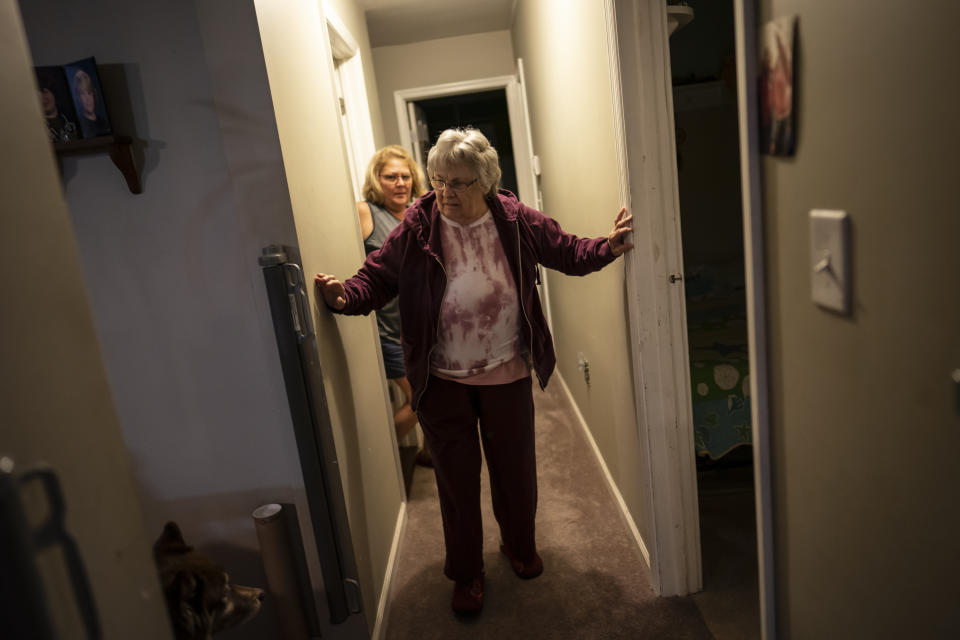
(479, 341)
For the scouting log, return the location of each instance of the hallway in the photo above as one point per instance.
(595, 583)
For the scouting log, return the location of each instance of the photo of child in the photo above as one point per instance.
(777, 113)
(88, 98)
(57, 104)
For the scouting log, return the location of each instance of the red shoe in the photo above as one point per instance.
(526, 570)
(468, 595)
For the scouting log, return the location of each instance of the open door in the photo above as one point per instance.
(356, 172)
(352, 97)
(419, 134)
(527, 163)
(76, 558)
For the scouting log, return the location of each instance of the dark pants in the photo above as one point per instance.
(448, 414)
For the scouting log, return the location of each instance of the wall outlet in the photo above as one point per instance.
(584, 366)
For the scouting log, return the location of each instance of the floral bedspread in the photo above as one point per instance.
(719, 361)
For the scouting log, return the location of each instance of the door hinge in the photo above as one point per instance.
(343, 107)
(675, 277)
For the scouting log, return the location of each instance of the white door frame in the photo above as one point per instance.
(643, 114)
(745, 22)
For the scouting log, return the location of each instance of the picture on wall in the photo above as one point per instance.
(777, 98)
(57, 104)
(88, 98)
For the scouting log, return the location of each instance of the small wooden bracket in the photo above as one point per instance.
(120, 149)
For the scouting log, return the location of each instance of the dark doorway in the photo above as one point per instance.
(486, 111)
(702, 60)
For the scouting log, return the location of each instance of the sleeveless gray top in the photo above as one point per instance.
(388, 318)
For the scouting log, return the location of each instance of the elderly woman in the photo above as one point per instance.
(464, 263)
(393, 179)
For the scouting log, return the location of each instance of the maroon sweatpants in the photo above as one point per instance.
(448, 414)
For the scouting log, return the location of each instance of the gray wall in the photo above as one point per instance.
(57, 409)
(708, 143)
(863, 425)
(175, 288)
(177, 295)
(172, 273)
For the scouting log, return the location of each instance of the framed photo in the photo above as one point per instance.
(57, 104)
(88, 98)
(778, 100)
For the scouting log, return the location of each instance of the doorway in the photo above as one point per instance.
(703, 70)
(478, 100)
(656, 283)
(483, 110)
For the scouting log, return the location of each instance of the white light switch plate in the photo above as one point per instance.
(829, 259)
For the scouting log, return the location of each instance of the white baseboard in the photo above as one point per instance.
(624, 511)
(383, 607)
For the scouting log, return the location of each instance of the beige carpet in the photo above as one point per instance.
(595, 583)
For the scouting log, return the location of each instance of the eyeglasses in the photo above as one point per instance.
(394, 178)
(454, 185)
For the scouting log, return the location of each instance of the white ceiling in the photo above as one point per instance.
(403, 21)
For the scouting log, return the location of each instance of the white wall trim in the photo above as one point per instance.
(611, 484)
(638, 41)
(383, 607)
(745, 21)
(623, 181)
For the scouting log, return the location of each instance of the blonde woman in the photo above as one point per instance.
(392, 181)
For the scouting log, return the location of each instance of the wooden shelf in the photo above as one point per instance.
(120, 149)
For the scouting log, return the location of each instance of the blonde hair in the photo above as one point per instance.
(81, 80)
(469, 148)
(371, 182)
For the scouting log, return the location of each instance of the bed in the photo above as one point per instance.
(719, 361)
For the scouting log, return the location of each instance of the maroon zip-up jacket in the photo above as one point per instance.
(410, 264)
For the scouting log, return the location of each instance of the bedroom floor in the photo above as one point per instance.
(729, 602)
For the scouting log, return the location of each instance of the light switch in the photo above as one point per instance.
(829, 260)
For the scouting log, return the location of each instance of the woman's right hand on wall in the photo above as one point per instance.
(332, 290)
(617, 237)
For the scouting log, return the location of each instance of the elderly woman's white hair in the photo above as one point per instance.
(469, 148)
